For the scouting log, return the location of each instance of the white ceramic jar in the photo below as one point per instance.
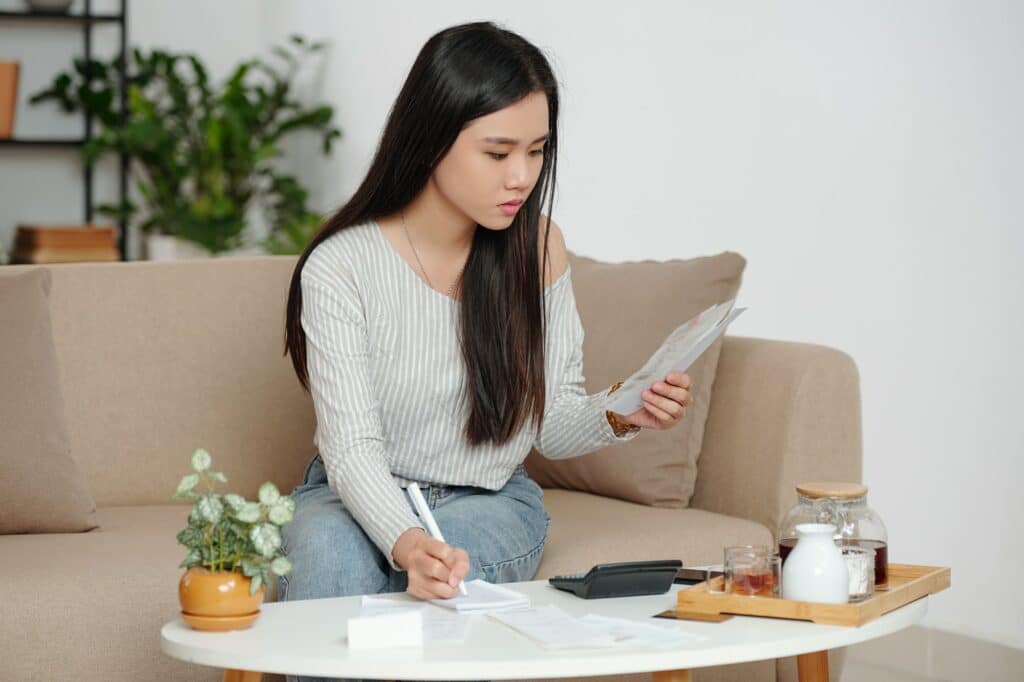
(816, 570)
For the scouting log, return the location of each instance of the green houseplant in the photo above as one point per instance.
(228, 537)
(201, 155)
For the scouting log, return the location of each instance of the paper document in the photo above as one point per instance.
(626, 631)
(382, 628)
(684, 345)
(483, 597)
(438, 625)
(552, 628)
(397, 601)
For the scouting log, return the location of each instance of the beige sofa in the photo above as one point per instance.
(159, 358)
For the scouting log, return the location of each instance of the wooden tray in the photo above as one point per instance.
(907, 583)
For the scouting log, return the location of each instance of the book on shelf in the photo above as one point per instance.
(9, 72)
(64, 244)
(45, 255)
(71, 236)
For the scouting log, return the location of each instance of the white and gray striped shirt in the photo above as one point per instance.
(388, 383)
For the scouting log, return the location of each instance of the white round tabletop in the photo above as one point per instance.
(309, 638)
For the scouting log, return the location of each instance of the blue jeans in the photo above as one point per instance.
(503, 532)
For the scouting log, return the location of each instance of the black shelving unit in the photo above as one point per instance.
(85, 20)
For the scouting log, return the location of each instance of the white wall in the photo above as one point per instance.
(864, 158)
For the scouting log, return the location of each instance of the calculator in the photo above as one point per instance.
(628, 579)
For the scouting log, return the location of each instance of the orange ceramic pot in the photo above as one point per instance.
(217, 600)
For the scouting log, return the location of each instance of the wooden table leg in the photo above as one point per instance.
(812, 667)
(671, 676)
(242, 676)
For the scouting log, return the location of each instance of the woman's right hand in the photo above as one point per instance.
(435, 568)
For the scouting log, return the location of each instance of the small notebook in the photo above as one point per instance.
(484, 597)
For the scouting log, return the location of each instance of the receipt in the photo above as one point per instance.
(626, 631)
(552, 628)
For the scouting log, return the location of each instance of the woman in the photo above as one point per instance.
(433, 321)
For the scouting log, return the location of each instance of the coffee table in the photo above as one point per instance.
(308, 638)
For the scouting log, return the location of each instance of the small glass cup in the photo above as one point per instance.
(750, 570)
(860, 564)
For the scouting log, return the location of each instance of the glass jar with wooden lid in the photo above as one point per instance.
(845, 506)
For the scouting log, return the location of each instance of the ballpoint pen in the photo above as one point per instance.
(424, 511)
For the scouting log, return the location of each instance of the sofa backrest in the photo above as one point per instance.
(158, 358)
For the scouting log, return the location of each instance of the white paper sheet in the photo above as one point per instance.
(441, 626)
(438, 625)
(625, 631)
(680, 349)
(484, 597)
(384, 628)
(396, 601)
(552, 628)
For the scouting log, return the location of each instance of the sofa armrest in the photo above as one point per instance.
(781, 413)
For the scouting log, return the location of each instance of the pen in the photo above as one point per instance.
(428, 518)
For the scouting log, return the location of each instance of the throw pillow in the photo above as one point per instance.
(41, 489)
(627, 310)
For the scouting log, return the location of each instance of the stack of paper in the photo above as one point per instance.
(484, 597)
(394, 627)
(436, 625)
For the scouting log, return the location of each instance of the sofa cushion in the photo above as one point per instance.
(627, 311)
(158, 358)
(102, 596)
(587, 529)
(41, 489)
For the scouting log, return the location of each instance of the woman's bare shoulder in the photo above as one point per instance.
(558, 257)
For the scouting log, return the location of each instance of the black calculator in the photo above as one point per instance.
(628, 579)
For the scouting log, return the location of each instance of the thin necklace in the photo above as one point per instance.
(451, 289)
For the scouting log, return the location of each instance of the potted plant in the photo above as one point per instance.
(201, 155)
(294, 225)
(234, 547)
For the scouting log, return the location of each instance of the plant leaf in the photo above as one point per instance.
(250, 567)
(281, 565)
(279, 514)
(256, 582)
(266, 538)
(210, 507)
(269, 494)
(249, 513)
(234, 501)
(200, 460)
(188, 481)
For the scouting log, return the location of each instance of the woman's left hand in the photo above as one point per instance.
(665, 403)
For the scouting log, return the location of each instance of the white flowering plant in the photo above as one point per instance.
(227, 532)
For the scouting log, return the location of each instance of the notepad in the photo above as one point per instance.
(485, 597)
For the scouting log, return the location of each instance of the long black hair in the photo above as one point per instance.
(462, 73)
